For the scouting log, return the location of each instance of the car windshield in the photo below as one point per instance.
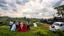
(56, 24)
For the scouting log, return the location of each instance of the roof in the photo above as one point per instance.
(59, 22)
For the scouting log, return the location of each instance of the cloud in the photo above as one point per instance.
(8, 5)
(29, 8)
(62, 3)
(21, 2)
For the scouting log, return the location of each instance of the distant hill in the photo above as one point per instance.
(4, 17)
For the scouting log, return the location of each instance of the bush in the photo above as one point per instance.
(42, 33)
(60, 33)
(49, 33)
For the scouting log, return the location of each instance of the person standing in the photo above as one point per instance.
(24, 28)
(11, 23)
(28, 24)
(17, 24)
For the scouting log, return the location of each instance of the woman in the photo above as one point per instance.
(19, 27)
(24, 28)
(13, 27)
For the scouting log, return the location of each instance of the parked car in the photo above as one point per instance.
(42, 20)
(57, 26)
(50, 21)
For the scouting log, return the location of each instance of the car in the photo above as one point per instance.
(50, 21)
(57, 26)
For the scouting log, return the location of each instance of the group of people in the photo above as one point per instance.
(19, 26)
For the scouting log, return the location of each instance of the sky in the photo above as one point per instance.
(29, 8)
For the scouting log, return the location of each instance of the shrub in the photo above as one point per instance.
(60, 33)
(42, 33)
(46, 33)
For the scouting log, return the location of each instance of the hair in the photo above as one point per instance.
(14, 21)
(10, 20)
(19, 21)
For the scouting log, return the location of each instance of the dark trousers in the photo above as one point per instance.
(16, 26)
(10, 27)
(28, 26)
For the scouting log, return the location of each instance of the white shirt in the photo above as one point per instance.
(27, 23)
(11, 22)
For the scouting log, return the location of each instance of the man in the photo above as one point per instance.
(17, 23)
(28, 24)
(11, 23)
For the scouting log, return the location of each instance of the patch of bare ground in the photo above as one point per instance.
(46, 25)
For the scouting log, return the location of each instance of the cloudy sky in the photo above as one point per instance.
(29, 8)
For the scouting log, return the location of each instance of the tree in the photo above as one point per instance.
(60, 10)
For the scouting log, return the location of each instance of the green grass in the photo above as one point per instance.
(35, 31)
(4, 31)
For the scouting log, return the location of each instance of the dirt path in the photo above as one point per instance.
(46, 25)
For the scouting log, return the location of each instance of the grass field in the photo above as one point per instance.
(4, 31)
(41, 30)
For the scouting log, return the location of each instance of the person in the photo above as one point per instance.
(24, 28)
(19, 26)
(13, 26)
(28, 25)
(11, 23)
